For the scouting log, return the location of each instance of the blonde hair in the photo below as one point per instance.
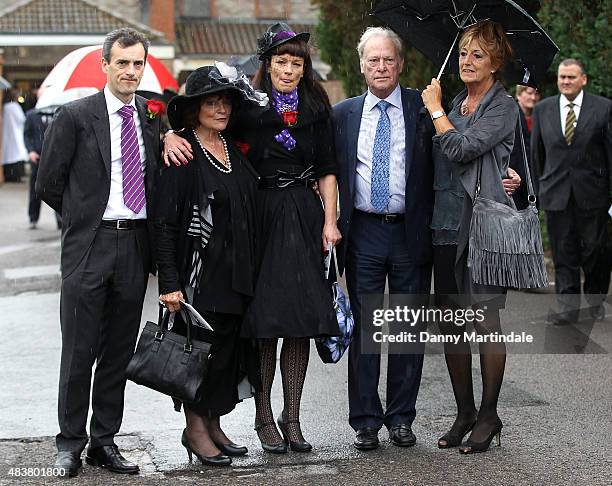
(492, 38)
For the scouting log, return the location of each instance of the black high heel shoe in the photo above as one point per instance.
(218, 460)
(231, 449)
(273, 448)
(295, 446)
(470, 446)
(454, 438)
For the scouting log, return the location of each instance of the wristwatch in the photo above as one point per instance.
(437, 114)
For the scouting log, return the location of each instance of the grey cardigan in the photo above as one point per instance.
(488, 139)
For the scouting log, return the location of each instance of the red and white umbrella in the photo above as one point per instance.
(79, 73)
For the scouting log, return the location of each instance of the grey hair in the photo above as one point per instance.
(126, 37)
(380, 32)
(572, 62)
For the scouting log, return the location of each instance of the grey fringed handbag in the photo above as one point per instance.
(505, 245)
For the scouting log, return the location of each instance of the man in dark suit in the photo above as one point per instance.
(36, 124)
(383, 146)
(98, 168)
(571, 150)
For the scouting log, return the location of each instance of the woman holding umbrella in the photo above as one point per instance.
(477, 132)
(290, 144)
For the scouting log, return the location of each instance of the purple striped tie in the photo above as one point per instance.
(133, 179)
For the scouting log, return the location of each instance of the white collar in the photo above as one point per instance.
(577, 101)
(395, 99)
(114, 104)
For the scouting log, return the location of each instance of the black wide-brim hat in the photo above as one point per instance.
(203, 81)
(276, 35)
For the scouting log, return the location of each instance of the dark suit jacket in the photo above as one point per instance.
(74, 173)
(585, 167)
(34, 129)
(419, 171)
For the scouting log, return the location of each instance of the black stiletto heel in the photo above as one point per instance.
(470, 446)
(295, 446)
(218, 460)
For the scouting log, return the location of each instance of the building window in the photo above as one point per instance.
(194, 8)
(272, 9)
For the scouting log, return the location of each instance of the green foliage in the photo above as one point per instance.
(582, 30)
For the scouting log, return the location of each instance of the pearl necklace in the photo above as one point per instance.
(227, 169)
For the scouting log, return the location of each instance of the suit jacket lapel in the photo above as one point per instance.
(410, 118)
(101, 127)
(148, 136)
(556, 115)
(353, 124)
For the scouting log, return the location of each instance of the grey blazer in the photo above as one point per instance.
(489, 139)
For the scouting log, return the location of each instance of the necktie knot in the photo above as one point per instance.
(383, 105)
(126, 111)
(571, 106)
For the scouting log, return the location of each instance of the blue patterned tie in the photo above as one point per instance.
(380, 159)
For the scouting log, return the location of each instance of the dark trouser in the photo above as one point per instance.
(101, 306)
(578, 239)
(34, 202)
(378, 251)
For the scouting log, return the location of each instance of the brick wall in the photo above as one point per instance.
(161, 17)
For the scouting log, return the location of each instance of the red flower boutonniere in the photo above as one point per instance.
(290, 118)
(243, 147)
(155, 108)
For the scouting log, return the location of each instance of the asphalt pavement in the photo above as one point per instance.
(556, 408)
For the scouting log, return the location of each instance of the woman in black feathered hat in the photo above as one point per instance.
(205, 252)
(290, 144)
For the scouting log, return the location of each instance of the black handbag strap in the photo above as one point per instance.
(531, 197)
(164, 318)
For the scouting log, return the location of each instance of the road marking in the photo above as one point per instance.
(4, 250)
(29, 272)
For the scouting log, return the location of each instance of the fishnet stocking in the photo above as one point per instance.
(294, 362)
(264, 419)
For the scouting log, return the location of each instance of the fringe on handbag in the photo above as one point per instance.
(505, 245)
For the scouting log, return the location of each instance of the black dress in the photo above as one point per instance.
(226, 282)
(292, 297)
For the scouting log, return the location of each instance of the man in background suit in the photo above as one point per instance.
(571, 150)
(36, 124)
(383, 146)
(98, 168)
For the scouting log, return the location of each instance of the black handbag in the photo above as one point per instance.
(505, 245)
(168, 362)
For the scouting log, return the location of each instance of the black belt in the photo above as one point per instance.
(123, 224)
(283, 179)
(389, 218)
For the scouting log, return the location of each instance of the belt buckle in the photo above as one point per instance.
(389, 218)
(123, 224)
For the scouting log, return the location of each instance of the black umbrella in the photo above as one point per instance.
(433, 28)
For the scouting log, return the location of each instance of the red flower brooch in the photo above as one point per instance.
(155, 108)
(243, 147)
(290, 118)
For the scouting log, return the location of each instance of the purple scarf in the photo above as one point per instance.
(284, 102)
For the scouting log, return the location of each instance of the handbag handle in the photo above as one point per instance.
(531, 197)
(164, 318)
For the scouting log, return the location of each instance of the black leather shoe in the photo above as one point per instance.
(366, 439)
(68, 463)
(110, 458)
(231, 449)
(401, 435)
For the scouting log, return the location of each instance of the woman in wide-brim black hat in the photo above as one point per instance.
(205, 223)
(290, 144)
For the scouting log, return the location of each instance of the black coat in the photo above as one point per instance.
(74, 175)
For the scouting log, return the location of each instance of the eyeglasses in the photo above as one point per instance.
(375, 61)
